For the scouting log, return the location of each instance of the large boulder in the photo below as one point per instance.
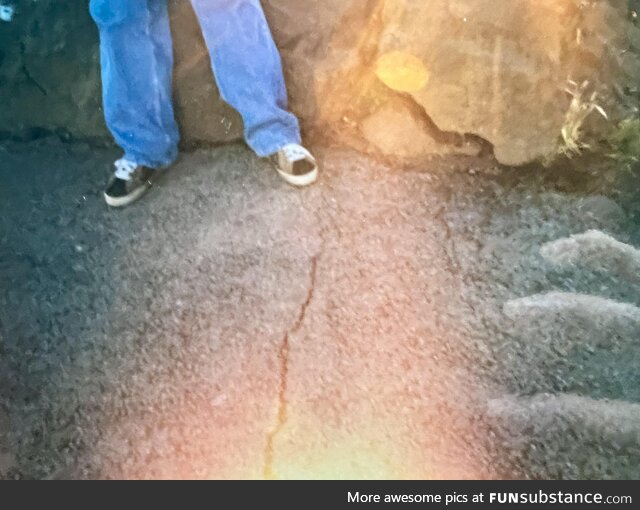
(49, 71)
(503, 70)
(202, 115)
(529, 77)
(50, 76)
(400, 78)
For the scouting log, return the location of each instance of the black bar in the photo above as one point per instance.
(326, 495)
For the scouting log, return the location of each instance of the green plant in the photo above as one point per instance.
(624, 141)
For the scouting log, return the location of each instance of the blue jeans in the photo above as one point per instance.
(137, 62)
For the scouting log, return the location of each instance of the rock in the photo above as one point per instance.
(596, 250)
(393, 130)
(500, 69)
(597, 319)
(495, 69)
(321, 43)
(396, 131)
(564, 325)
(49, 72)
(50, 76)
(202, 116)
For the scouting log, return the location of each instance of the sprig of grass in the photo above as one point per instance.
(581, 107)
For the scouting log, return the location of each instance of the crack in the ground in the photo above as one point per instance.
(33, 81)
(451, 255)
(28, 74)
(283, 356)
(450, 251)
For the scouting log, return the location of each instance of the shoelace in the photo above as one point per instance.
(125, 169)
(294, 152)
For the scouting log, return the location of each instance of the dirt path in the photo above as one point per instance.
(382, 324)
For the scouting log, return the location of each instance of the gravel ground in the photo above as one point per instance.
(383, 324)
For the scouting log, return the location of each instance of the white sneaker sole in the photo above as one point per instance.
(300, 181)
(129, 199)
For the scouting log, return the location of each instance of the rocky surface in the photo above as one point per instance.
(583, 426)
(228, 326)
(49, 72)
(597, 250)
(50, 76)
(496, 70)
(500, 69)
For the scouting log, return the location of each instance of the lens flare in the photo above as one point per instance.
(402, 71)
(341, 462)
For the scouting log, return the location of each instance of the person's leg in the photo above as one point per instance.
(137, 64)
(248, 71)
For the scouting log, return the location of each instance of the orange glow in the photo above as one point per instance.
(402, 71)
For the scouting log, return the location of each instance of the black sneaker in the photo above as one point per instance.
(128, 184)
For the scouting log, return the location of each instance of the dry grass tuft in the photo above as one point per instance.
(582, 106)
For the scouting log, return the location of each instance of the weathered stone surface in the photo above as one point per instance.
(396, 131)
(500, 69)
(495, 69)
(201, 114)
(50, 76)
(49, 71)
(597, 250)
(567, 319)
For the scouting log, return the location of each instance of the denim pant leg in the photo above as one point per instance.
(248, 70)
(137, 63)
